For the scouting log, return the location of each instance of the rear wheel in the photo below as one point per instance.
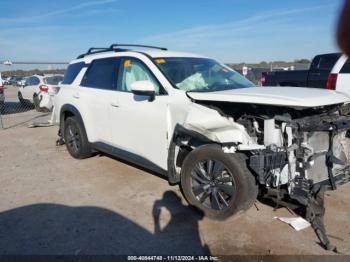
(76, 139)
(36, 102)
(217, 183)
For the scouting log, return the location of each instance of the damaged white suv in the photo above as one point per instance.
(205, 126)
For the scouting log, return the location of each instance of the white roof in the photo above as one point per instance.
(154, 53)
(165, 53)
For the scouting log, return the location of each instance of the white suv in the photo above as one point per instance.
(205, 126)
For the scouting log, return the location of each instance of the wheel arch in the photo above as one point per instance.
(182, 143)
(66, 111)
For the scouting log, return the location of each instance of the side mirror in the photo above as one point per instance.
(143, 88)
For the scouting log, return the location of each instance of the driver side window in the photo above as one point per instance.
(132, 70)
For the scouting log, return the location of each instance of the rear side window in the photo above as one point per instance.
(53, 80)
(102, 74)
(346, 68)
(72, 72)
(327, 62)
(34, 81)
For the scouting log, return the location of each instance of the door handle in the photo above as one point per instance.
(76, 95)
(114, 104)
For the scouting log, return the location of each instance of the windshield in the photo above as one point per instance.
(53, 80)
(201, 74)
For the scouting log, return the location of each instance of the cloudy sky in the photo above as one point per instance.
(229, 30)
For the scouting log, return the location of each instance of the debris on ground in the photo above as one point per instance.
(298, 223)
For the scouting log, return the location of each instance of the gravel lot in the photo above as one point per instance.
(53, 204)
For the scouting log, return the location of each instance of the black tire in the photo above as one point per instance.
(21, 100)
(229, 188)
(36, 102)
(75, 138)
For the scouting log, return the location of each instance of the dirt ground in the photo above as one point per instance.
(51, 203)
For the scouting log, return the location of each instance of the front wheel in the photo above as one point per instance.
(217, 183)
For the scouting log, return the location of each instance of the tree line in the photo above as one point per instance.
(24, 73)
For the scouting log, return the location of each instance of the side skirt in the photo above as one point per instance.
(129, 157)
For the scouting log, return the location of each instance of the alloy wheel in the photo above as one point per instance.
(73, 138)
(213, 184)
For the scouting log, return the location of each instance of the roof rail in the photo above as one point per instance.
(114, 47)
(95, 50)
(132, 45)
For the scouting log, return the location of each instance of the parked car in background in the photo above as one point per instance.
(35, 87)
(47, 95)
(2, 95)
(6, 80)
(316, 76)
(339, 78)
(14, 80)
(3, 79)
(22, 82)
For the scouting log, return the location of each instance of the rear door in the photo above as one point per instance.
(320, 69)
(28, 90)
(95, 97)
(343, 81)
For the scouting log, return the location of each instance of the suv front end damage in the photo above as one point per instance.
(297, 152)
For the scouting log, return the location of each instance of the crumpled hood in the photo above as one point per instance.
(279, 96)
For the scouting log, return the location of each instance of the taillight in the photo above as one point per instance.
(2, 89)
(263, 78)
(332, 81)
(44, 88)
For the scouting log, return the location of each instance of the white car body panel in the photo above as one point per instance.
(47, 100)
(343, 79)
(145, 133)
(288, 96)
(211, 124)
(146, 128)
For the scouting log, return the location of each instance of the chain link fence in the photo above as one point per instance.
(17, 113)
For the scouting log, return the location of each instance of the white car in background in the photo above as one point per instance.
(23, 81)
(339, 78)
(39, 90)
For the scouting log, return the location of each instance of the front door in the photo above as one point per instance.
(139, 124)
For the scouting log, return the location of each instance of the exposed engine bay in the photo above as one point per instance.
(298, 145)
(300, 152)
